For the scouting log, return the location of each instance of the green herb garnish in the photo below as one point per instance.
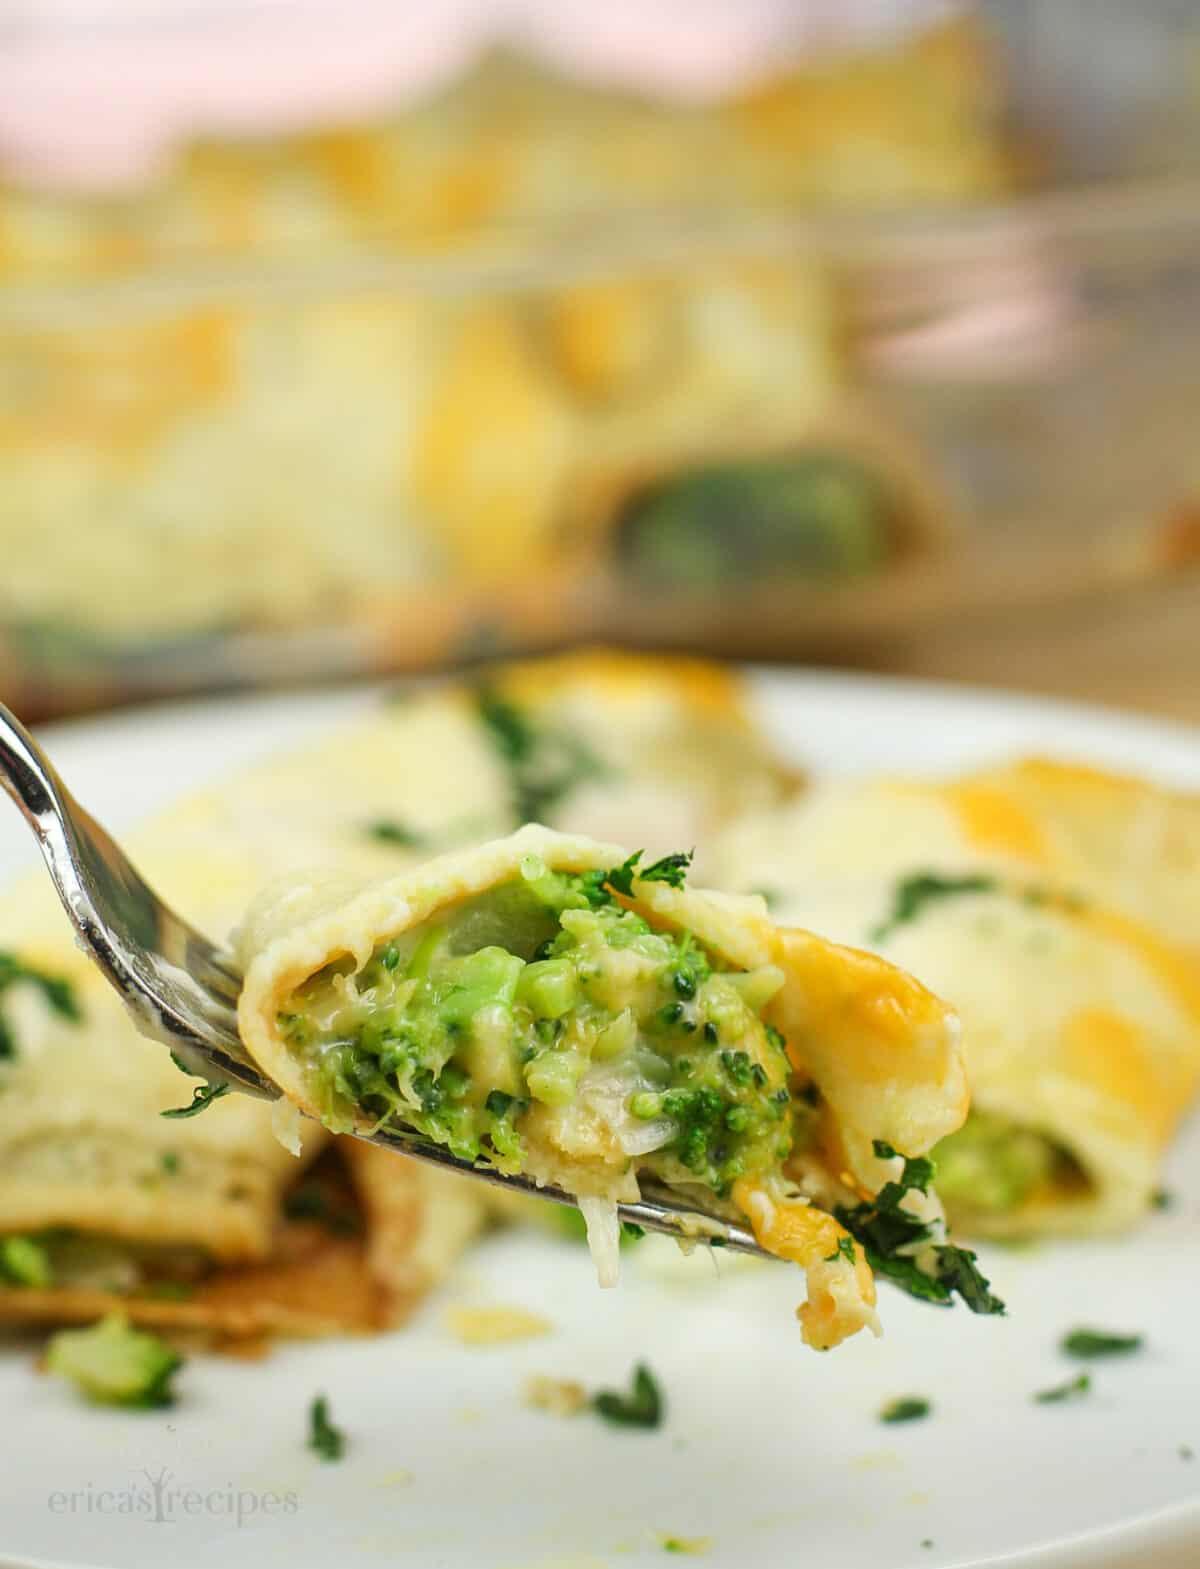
(892, 1236)
(844, 1249)
(202, 1097)
(389, 830)
(58, 993)
(671, 869)
(908, 1408)
(544, 764)
(1088, 1343)
(326, 1440)
(1077, 1386)
(913, 893)
(643, 1407)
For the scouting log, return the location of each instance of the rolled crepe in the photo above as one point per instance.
(186, 1222)
(1058, 907)
(205, 1223)
(547, 1004)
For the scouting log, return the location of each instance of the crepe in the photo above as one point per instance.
(578, 299)
(552, 1005)
(1058, 907)
(199, 1204)
(662, 751)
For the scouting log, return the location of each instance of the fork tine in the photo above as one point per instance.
(655, 1211)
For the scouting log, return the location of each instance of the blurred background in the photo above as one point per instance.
(353, 337)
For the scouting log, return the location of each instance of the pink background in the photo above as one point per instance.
(98, 92)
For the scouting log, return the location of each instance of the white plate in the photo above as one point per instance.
(772, 1452)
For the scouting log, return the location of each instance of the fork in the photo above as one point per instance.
(181, 990)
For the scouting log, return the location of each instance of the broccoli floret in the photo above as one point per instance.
(23, 1262)
(114, 1364)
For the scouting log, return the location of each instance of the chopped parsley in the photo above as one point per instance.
(1088, 1343)
(390, 830)
(892, 1238)
(544, 764)
(595, 889)
(202, 1097)
(169, 1161)
(1068, 1391)
(671, 869)
(907, 1408)
(912, 894)
(58, 993)
(323, 1438)
(642, 1407)
(1161, 1199)
(844, 1249)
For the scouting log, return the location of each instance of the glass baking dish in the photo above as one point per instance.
(875, 344)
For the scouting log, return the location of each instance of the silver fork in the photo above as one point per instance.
(181, 990)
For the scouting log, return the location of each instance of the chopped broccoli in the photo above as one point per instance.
(24, 1262)
(114, 1364)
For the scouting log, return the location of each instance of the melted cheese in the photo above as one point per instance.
(991, 821)
(841, 1295)
(1075, 966)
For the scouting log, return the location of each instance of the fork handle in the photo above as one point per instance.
(27, 776)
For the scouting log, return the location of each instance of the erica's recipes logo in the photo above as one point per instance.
(159, 1498)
